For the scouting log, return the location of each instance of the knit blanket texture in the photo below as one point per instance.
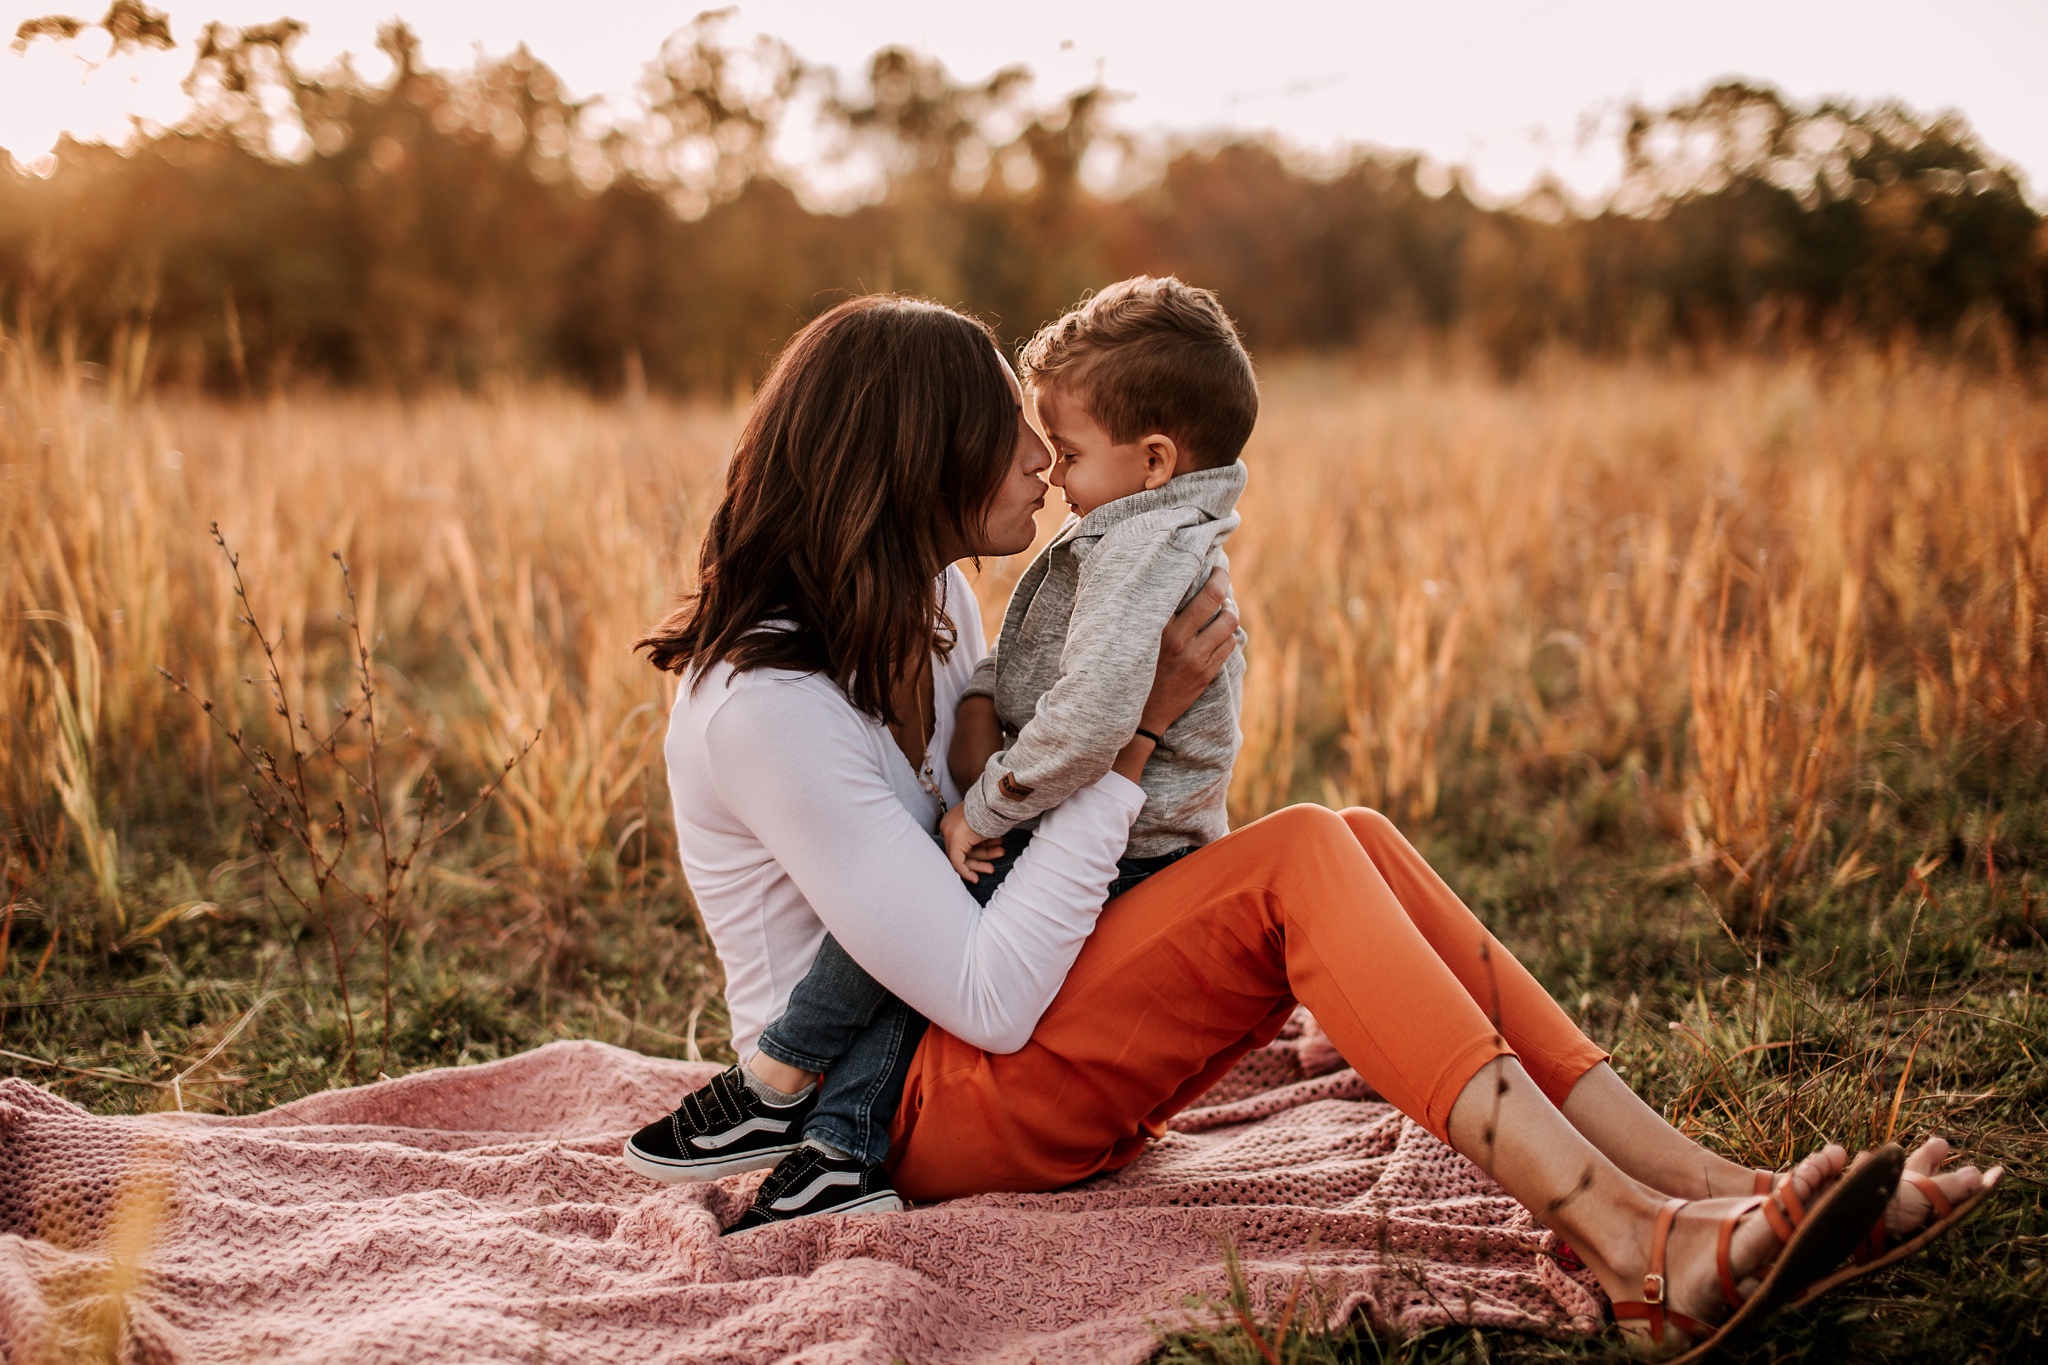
(482, 1213)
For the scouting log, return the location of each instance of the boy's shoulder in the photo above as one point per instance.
(1158, 523)
(1187, 529)
(1193, 510)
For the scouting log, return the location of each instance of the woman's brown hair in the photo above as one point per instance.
(883, 423)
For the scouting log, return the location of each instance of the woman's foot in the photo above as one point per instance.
(1912, 1207)
(1692, 1284)
(1924, 1206)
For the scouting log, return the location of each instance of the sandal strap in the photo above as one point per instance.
(1722, 1242)
(1784, 1210)
(1943, 1207)
(1764, 1180)
(1880, 1238)
(1654, 1311)
(1659, 1317)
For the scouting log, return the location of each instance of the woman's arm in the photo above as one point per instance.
(797, 767)
(795, 763)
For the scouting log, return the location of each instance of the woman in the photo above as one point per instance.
(805, 755)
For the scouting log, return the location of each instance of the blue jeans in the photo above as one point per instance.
(843, 1023)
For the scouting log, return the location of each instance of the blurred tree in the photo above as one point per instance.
(1869, 214)
(436, 227)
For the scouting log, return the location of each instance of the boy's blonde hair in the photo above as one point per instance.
(1152, 355)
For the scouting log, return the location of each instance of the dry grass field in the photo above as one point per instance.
(1720, 690)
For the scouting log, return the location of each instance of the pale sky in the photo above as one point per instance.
(1501, 86)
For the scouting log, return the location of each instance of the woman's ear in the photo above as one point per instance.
(1161, 458)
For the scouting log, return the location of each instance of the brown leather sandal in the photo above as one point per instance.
(1874, 1254)
(1816, 1238)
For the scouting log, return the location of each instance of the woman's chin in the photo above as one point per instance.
(1015, 543)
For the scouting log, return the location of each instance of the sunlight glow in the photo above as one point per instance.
(1509, 88)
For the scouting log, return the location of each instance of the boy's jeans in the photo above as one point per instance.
(845, 1024)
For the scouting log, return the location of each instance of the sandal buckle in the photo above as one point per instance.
(1653, 1289)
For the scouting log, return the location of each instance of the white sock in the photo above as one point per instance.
(827, 1148)
(768, 1094)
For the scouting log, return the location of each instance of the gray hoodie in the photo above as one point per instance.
(1074, 662)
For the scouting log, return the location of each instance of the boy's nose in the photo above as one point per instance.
(1056, 476)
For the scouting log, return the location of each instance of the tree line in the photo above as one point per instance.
(440, 226)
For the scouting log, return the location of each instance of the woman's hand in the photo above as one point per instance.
(1192, 651)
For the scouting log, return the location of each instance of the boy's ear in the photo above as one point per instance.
(1161, 457)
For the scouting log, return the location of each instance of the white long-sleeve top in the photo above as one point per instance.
(797, 814)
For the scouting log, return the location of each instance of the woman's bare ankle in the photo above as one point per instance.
(1726, 1180)
(1707, 1178)
(1611, 1235)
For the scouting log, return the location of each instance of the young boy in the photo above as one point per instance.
(1147, 397)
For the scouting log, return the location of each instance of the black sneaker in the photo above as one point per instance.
(719, 1130)
(811, 1180)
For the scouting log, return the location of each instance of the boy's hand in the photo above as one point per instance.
(969, 853)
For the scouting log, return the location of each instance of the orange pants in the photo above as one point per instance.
(1202, 963)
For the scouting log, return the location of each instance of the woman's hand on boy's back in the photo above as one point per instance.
(970, 854)
(1192, 650)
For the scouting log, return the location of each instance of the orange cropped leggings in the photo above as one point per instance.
(1203, 962)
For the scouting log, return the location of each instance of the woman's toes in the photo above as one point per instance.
(1910, 1209)
(1930, 1156)
(1820, 1170)
(1755, 1243)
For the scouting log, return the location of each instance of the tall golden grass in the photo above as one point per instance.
(1717, 578)
(1735, 581)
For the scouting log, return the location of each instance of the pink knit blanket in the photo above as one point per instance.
(482, 1214)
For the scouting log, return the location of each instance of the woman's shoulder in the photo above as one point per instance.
(761, 702)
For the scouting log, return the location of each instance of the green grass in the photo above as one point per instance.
(1760, 1042)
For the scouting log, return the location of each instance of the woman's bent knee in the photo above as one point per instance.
(1312, 842)
(1307, 823)
(1368, 825)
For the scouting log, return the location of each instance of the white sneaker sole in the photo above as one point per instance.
(679, 1172)
(886, 1202)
